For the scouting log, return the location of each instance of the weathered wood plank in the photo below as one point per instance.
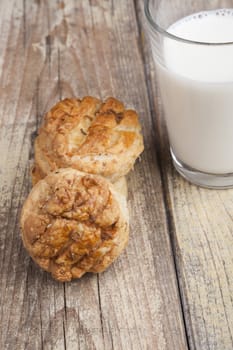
(201, 225)
(25, 300)
(50, 50)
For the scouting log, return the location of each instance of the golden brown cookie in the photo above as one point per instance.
(88, 135)
(73, 223)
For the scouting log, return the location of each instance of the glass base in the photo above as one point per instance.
(208, 180)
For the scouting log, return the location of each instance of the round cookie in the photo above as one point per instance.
(73, 223)
(89, 135)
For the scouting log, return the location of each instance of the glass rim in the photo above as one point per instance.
(156, 28)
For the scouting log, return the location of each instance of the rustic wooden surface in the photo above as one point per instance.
(173, 286)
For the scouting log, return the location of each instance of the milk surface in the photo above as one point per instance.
(197, 91)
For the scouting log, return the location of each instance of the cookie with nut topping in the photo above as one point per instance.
(73, 223)
(89, 135)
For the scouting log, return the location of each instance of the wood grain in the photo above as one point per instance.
(50, 50)
(201, 225)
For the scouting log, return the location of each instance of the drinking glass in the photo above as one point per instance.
(196, 85)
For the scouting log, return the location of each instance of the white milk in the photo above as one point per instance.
(197, 91)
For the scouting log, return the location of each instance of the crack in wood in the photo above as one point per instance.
(100, 306)
(24, 25)
(59, 73)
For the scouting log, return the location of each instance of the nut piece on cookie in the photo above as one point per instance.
(89, 135)
(73, 223)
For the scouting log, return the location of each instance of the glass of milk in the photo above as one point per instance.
(192, 46)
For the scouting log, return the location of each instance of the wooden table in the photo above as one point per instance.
(173, 286)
